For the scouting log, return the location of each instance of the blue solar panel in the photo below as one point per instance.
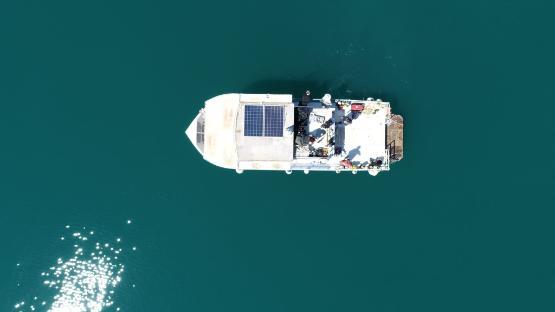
(273, 121)
(253, 120)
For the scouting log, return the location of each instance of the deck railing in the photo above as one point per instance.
(391, 149)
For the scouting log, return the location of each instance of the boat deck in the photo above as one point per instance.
(327, 134)
(365, 135)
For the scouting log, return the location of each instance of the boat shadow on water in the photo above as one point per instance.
(317, 87)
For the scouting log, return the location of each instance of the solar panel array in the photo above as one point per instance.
(263, 121)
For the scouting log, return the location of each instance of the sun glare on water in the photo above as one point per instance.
(86, 281)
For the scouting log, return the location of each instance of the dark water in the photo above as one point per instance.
(95, 96)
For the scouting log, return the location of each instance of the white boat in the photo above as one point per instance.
(277, 132)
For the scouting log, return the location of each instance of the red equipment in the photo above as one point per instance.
(346, 163)
(357, 107)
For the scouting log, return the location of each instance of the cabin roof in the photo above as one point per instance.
(226, 144)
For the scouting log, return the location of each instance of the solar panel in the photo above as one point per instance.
(273, 121)
(253, 120)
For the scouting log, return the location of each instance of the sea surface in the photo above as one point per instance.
(95, 97)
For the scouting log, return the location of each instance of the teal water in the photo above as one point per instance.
(95, 96)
